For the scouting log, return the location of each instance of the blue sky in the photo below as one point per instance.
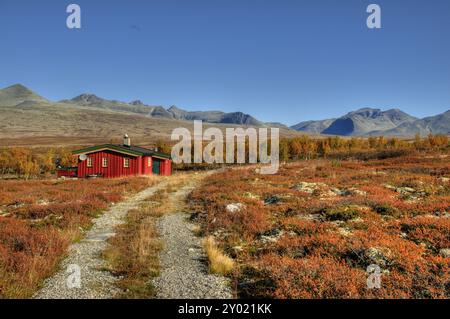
(284, 60)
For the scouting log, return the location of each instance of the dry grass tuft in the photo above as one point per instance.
(218, 262)
(133, 254)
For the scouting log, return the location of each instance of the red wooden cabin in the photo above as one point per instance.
(115, 160)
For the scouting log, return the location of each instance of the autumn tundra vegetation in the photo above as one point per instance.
(309, 231)
(40, 218)
(312, 229)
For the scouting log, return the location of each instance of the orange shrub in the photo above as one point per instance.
(313, 277)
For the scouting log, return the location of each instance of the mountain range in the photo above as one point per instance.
(27, 119)
(25, 113)
(375, 122)
(91, 100)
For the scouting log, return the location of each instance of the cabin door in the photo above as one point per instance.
(156, 166)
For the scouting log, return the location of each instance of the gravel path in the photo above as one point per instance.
(96, 282)
(184, 272)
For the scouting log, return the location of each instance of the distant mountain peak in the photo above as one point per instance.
(18, 88)
(366, 120)
(87, 98)
(239, 118)
(18, 93)
(367, 109)
(313, 127)
(137, 102)
(174, 108)
(366, 112)
(394, 109)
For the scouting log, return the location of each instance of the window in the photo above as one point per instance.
(149, 162)
(126, 162)
(89, 162)
(104, 162)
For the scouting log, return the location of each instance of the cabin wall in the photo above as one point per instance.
(115, 165)
(146, 170)
(169, 167)
(166, 168)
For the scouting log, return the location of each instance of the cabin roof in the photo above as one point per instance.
(124, 149)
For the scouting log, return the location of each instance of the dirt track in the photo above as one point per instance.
(184, 272)
(96, 282)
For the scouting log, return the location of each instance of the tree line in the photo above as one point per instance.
(304, 147)
(30, 162)
(34, 162)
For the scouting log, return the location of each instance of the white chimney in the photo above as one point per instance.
(126, 140)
